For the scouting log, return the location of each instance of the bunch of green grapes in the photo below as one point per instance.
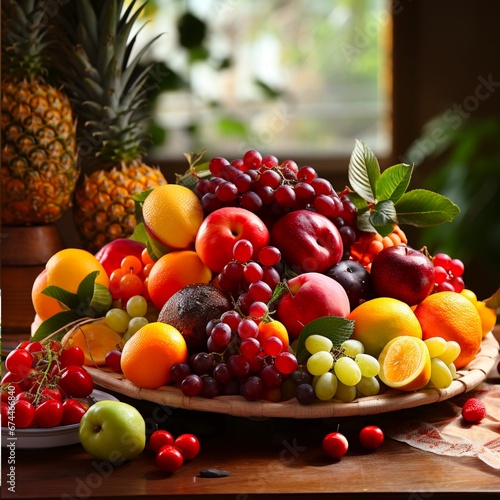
(344, 373)
(129, 320)
(443, 353)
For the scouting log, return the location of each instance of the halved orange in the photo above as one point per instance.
(405, 364)
(95, 339)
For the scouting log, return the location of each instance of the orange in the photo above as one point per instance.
(95, 339)
(172, 215)
(150, 353)
(273, 328)
(174, 271)
(377, 321)
(452, 316)
(65, 269)
(488, 316)
(405, 364)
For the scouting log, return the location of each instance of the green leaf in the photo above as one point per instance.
(364, 171)
(68, 299)
(393, 182)
(335, 328)
(359, 201)
(56, 322)
(383, 217)
(139, 200)
(86, 287)
(364, 224)
(140, 233)
(422, 208)
(493, 302)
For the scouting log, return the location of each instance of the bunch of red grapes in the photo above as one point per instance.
(271, 189)
(236, 362)
(45, 386)
(448, 273)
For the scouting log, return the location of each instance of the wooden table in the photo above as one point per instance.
(274, 458)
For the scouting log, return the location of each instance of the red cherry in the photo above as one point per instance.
(371, 437)
(49, 413)
(24, 413)
(169, 458)
(71, 356)
(73, 411)
(159, 439)
(75, 381)
(335, 445)
(189, 446)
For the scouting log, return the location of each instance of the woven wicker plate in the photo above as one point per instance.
(467, 379)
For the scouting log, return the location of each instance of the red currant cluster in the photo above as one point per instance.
(239, 359)
(131, 277)
(172, 453)
(448, 273)
(272, 189)
(44, 385)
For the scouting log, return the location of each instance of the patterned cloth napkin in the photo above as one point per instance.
(443, 430)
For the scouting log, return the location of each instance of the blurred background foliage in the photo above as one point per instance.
(293, 76)
(465, 167)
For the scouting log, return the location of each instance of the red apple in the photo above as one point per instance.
(221, 229)
(308, 241)
(112, 254)
(402, 273)
(311, 296)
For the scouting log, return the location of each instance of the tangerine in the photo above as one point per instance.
(65, 269)
(273, 329)
(488, 316)
(379, 320)
(150, 353)
(454, 317)
(405, 364)
(95, 339)
(172, 216)
(172, 272)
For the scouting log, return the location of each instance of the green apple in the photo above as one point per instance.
(113, 431)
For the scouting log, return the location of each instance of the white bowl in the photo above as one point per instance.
(31, 438)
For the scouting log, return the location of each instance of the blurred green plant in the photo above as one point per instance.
(466, 168)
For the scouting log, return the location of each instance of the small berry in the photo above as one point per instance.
(371, 437)
(473, 410)
(335, 445)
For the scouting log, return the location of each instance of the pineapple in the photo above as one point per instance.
(107, 90)
(39, 166)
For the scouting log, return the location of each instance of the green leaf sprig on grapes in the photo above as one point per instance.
(382, 198)
(335, 328)
(91, 300)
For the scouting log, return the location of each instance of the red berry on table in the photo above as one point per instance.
(169, 458)
(335, 445)
(189, 446)
(159, 439)
(474, 410)
(371, 437)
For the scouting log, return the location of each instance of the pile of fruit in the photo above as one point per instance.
(254, 277)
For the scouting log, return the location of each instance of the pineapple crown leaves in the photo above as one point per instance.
(91, 300)
(25, 38)
(382, 198)
(105, 80)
